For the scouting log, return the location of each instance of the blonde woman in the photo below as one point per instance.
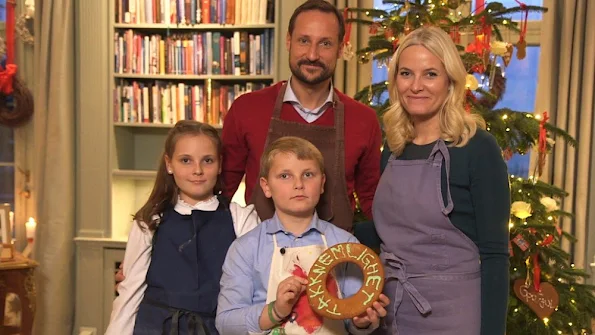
(443, 202)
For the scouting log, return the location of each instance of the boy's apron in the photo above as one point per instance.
(303, 320)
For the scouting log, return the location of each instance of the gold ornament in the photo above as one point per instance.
(521, 209)
(471, 82)
(498, 48)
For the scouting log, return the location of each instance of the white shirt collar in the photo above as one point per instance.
(291, 97)
(184, 208)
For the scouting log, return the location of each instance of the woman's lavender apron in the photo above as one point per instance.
(432, 268)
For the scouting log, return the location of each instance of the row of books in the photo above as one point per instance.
(191, 12)
(166, 103)
(234, 53)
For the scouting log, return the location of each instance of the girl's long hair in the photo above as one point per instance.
(456, 125)
(165, 191)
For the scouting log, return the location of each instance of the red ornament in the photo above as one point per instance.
(374, 28)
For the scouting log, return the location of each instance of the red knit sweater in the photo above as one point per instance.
(246, 127)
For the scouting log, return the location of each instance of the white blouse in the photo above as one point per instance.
(138, 258)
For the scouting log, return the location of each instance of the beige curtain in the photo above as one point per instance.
(351, 76)
(566, 90)
(54, 170)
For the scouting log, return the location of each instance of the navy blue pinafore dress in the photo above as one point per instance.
(183, 278)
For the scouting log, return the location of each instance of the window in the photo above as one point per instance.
(7, 170)
(521, 84)
(2, 11)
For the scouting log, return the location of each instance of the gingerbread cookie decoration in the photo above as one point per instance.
(328, 305)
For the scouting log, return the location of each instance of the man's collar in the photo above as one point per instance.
(274, 225)
(291, 97)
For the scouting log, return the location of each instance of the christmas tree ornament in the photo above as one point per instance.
(549, 204)
(543, 302)
(521, 209)
(520, 241)
(493, 68)
(521, 50)
(407, 27)
(455, 34)
(521, 45)
(454, 4)
(471, 82)
(348, 51)
(508, 54)
(373, 30)
(542, 144)
(507, 154)
(498, 48)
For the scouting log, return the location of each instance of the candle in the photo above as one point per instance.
(11, 217)
(30, 228)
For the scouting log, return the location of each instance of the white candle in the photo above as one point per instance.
(30, 228)
(11, 216)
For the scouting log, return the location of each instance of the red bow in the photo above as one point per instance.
(523, 32)
(543, 133)
(6, 76)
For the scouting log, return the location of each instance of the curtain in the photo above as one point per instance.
(54, 165)
(351, 76)
(566, 90)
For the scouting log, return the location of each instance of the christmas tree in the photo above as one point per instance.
(547, 294)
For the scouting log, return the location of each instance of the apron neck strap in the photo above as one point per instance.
(439, 153)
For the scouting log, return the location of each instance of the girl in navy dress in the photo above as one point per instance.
(179, 240)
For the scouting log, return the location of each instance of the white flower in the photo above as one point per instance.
(471, 82)
(550, 141)
(549, 204)
(498, 48)
(521, 209)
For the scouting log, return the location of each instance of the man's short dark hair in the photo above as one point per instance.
(321, 6)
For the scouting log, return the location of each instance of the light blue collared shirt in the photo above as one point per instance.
(248, 265)
(310, 115)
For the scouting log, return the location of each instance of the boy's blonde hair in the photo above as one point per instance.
(303, 149)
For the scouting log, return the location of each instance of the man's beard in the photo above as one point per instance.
(300, 75)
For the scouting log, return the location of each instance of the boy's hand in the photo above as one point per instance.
(373, 314)
(288, 292)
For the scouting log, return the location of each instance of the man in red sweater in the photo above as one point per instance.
(346, 131)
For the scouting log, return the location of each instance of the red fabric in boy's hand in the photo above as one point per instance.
(302, 313)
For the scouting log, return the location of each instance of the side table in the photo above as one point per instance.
(17, 276)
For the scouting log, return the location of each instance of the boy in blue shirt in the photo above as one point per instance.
(264, 273)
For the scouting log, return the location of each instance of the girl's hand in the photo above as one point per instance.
(373, 314)
(288, 292)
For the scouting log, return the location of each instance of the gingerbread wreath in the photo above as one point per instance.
(326, 304)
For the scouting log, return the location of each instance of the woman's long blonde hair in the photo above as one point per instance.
(456, 125)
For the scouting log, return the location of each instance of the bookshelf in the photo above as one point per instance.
(190, 64)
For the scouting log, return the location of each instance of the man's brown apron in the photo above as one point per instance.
(334, 205)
